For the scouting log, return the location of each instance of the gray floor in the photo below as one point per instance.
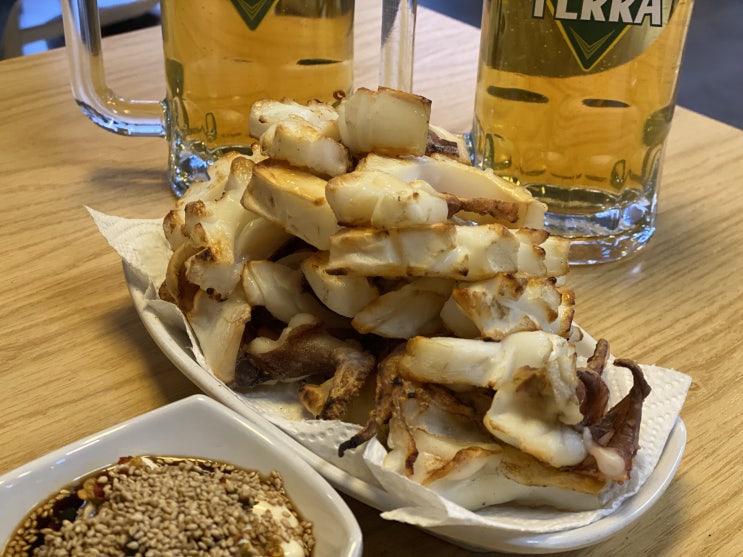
(711, 78)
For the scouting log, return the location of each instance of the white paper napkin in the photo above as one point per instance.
(142, 246)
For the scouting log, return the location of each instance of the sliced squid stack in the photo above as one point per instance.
(356, 242)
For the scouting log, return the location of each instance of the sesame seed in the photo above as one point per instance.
(158, 506)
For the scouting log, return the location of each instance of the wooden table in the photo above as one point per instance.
(76, 359)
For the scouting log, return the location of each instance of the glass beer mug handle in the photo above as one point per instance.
(398, 39)
(99, 103)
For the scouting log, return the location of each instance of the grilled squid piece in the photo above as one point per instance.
(446, 250)
(436, 437)
(441, 436)
(508, 304)
(448, 175)
(593, 393)
(388, 380)
(613, 442)
(305, 349)
(374, 198)
(384, 121)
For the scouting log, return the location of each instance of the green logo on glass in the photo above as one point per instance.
(591, 28)
(253, 11)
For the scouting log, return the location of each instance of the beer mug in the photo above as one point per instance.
(220, 57)
(574, 101)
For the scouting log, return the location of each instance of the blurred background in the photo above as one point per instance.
(711, 80)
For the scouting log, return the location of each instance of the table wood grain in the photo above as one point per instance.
(74, 357)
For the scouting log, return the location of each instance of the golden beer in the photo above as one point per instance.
(574, 101)
(222, 55)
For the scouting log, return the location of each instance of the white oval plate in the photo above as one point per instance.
(478, 538)
(197, 426)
